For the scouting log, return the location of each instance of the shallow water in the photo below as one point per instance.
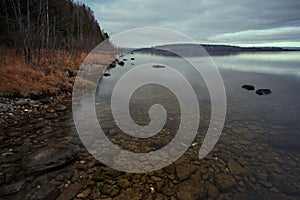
(260, 135)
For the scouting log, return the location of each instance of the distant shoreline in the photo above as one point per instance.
(197, 50)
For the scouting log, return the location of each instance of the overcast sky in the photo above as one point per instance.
(243, 22)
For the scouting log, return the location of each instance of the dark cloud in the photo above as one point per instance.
(218, 21)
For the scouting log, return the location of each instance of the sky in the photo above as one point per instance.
(243, 22)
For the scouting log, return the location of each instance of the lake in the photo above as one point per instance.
(257, 154)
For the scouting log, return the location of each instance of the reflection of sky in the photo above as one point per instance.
(285, 63)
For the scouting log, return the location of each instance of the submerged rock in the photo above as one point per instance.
(248, 87)
(49, 157)
(225, 182)
(264, 91)
(70, 192)
(106, 74)
(236, 168)
(132, 58)
(191, 189)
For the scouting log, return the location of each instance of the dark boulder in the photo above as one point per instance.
(121, 63)
(49, 157)
(132, 58)
(264, 91)
(248, 87)
(106, 74)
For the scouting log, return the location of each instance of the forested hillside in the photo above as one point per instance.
(36, 28)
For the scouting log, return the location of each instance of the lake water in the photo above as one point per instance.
(257, 155)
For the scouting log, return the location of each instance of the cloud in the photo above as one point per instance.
(278, 34)
(204, 20)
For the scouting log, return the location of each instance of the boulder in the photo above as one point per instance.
(248, 87)
(264, 91)
(49, 157)
(121, 63)
(106, 74)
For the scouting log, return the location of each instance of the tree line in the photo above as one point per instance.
(39, 27)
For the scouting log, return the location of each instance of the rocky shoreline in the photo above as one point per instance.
(41, 157)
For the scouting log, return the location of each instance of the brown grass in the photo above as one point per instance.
(19, 79)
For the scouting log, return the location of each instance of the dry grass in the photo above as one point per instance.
(19, 79)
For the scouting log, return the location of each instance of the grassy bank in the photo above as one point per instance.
(51, 77)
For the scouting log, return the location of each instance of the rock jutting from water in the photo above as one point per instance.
(264, 91)
(248, 87)
(158, 66)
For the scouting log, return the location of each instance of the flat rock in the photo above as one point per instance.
(248, 87)
(22, 102)
(191, 189)
(41, 124)
(49, 192)
(130, 194)
(61, 108)
(51, 156)
(225, 182)
(11, 188)
(184, 170)
(236, 168)
(70, 192)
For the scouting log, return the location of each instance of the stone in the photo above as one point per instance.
(106, 74)
(121, 63)
(49, 192)
(263, 91)
(184, 170)
(51, 116)
(248, 87)
(123, 183)
(22, 102)
(12, 188)
(107, 189)
(130, 194)
(61, 108)
(70, 192)
(191, 189)
(41, 124)
(49, 157)
(224, 182)
(158, 66)
(132, 58)
(95, 193)
(85, 193)
(236, 168)
(213, 192)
